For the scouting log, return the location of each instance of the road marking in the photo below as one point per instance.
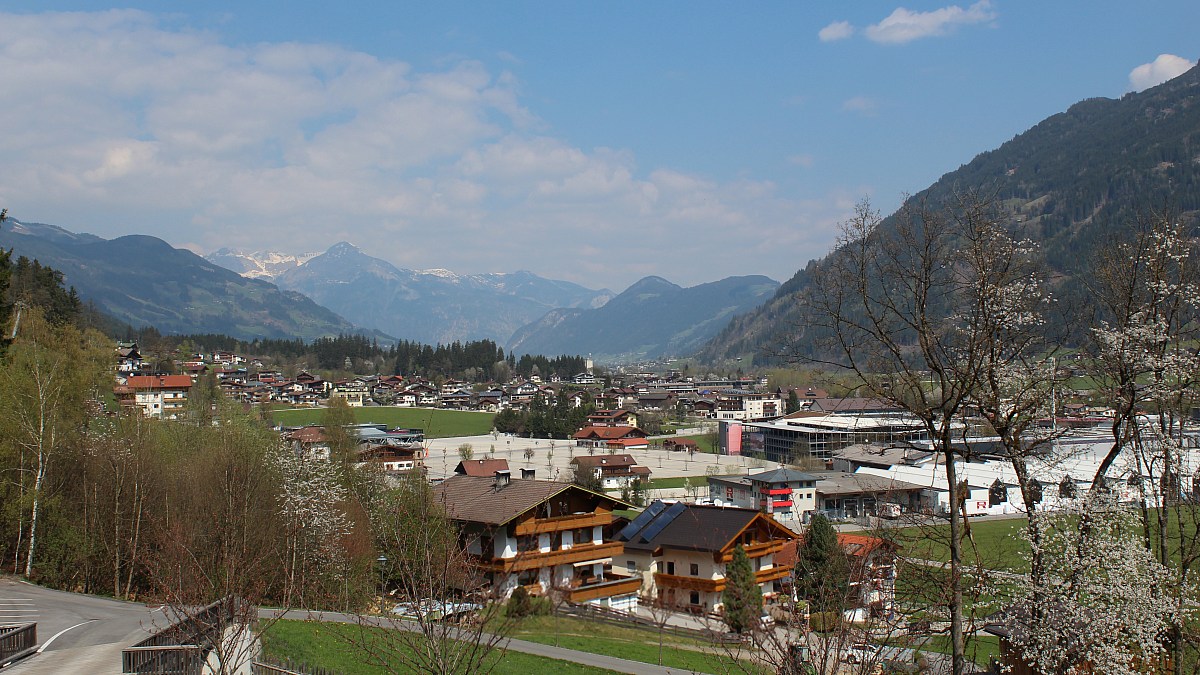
(55, 636)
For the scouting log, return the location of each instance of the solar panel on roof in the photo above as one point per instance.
(638, 523)
(664, 520)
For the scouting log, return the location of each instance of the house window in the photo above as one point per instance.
(631, 566)
(527, 542)
(694, 570)
(694, 598)
(670, 567)
(582, 535)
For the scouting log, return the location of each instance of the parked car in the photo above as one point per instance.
(435, 610)
(860, 653)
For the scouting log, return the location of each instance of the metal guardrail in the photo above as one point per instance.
(181, 648)
(17, 642)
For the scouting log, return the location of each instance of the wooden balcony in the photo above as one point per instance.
(757, 550)
(772, 573)
(622, 586)
(689, 583)
(716, 585)
(562, 523)
(530, 560)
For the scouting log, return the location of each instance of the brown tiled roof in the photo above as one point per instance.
(706, 528)
(159, 381)
(855, 545)
(591, 462)
(481, 467)
(312, 434)
(609, 433)
(629, 443)
(608, 414)
(476, 499)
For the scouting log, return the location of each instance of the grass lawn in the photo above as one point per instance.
(997, 543)
(999, 546)
(626, 643)
(436, 423)
(319, 645)
(704, 442)
(698, 482)
(980, 648)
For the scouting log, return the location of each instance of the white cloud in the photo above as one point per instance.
(838, 30)
(904, 25)
(127, 125)
(805, 160)
(860, 104)
(1165, 67)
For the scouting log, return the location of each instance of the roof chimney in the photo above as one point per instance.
(502, 478)
(528, 474)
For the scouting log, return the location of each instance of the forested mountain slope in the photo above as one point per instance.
(1072, 183)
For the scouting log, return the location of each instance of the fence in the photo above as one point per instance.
(628, 620)
(17, 642)
(288, 667)
(181, 648)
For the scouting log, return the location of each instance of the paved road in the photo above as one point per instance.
(80, 634)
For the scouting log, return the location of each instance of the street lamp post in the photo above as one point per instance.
(382, 560)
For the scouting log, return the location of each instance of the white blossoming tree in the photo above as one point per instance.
(1106, 605)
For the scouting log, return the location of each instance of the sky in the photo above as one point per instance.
(595, 142)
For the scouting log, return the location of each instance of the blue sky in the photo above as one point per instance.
(594, 142)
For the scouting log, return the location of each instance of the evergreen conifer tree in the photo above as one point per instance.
(742, 597)
(822, 569)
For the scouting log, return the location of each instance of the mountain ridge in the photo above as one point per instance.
(1070, 180)
(433, 305)
(650, 319)
(144, 281)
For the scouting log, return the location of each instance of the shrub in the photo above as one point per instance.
(825, 622)
(522, 604)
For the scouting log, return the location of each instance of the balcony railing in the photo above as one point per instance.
(716, 585)
(757, 550)
(529, 560)
(689, 583)
(562, 523)
(606, 589)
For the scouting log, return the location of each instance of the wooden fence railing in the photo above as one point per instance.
(182, 648)
(17, 642)
(628, 620)
(288, 667)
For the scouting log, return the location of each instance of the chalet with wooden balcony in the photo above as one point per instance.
(615, 438)
(613, 471)
(548, 536)
(682, 551)
(613, 418)
(392, 459)
(162, 396)
(308, 442)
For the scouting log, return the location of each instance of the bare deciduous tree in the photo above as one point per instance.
(438, 614)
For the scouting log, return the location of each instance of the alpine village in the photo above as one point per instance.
(965, 440)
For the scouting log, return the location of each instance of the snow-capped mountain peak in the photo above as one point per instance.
(258, 264)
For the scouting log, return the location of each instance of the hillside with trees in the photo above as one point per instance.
(1073, 182)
